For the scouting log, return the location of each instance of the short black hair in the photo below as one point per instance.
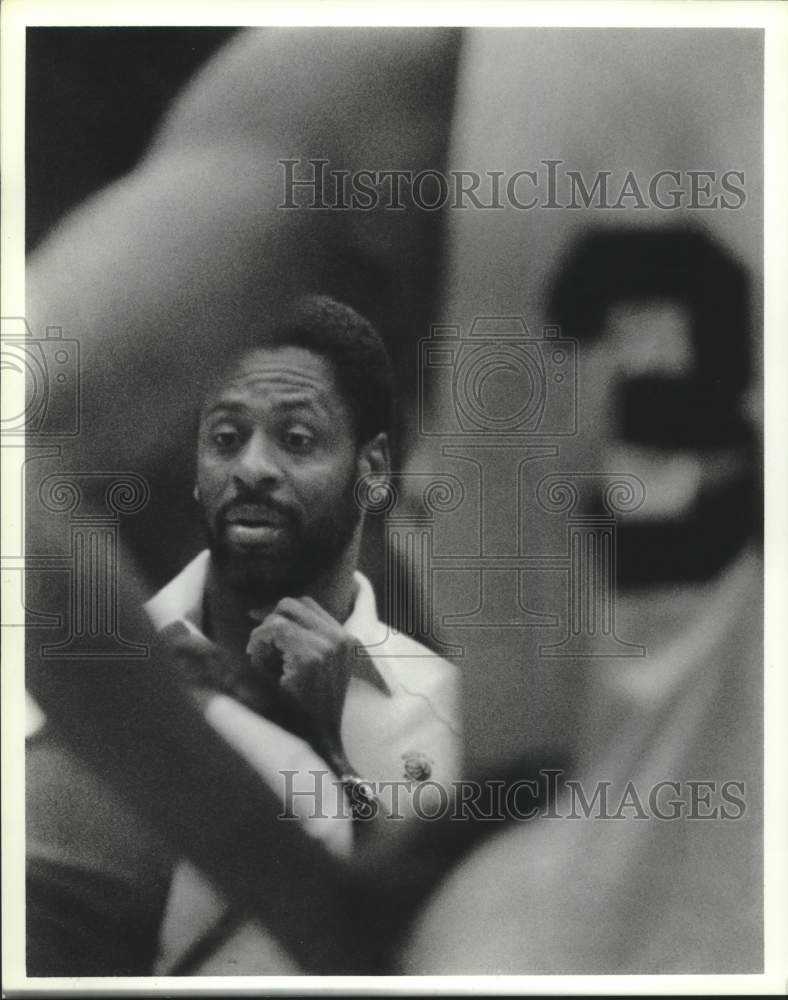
(356, 352)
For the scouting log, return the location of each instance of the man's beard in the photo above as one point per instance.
(308, 552)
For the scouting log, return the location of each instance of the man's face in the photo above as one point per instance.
(276, 468)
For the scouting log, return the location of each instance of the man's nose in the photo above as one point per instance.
(257, 462)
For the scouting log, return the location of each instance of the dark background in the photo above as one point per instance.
(94, 100)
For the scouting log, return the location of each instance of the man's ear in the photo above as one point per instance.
(374, 457)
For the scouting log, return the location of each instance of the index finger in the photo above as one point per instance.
(308, 613)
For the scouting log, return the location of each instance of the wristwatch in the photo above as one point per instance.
(360, 796)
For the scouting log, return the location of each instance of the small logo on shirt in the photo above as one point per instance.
(418, 767)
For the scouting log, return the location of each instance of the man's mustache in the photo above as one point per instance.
(255, 509)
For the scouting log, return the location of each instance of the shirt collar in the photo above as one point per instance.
(181, 600)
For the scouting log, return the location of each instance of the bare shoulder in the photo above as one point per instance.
(291, 82)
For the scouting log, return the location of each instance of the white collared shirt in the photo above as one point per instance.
(401, 717)
(400, 724)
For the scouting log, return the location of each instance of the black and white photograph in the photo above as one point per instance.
(391, 572)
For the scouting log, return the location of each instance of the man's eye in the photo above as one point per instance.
(225, 439)
(298, 440)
